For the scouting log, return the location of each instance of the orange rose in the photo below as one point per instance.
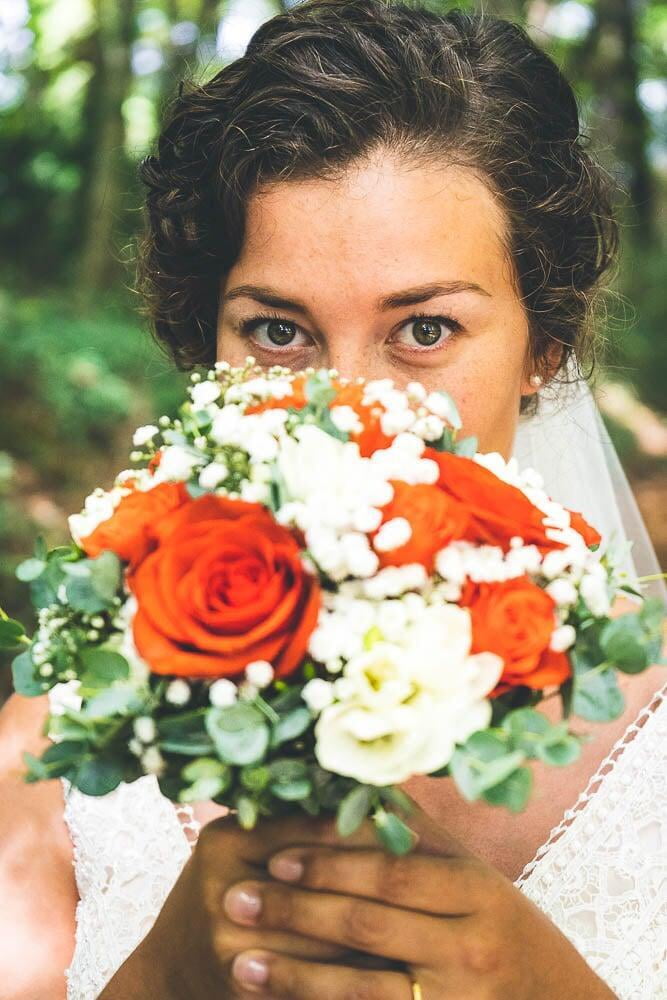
(371, 438)
(224, 586)
(515, 619)
(498, 511)
(129, 530)
(435, 519)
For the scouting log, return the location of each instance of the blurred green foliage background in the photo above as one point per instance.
(83, 85)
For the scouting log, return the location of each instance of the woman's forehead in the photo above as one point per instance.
(383, 224)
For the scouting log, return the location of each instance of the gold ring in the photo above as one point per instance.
(416, 989)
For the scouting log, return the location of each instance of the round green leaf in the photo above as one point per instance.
(98, 777)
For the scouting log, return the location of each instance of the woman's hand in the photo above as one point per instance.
(188, 953)
(460, 926)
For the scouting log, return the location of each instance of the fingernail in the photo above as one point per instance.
(250, 970)
(286, 867)
(243, 904)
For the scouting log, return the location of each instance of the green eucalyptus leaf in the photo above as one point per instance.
(393, 833)
(255, 779)
(102, 667)
(98, 776)
(292, 791)
(513, 792)
(123, 699)
(354, 809)
(11, 633)
(622, 642)
(30, 569)
(562, 753)
(204, 767)
(204, 788)
(23, 676)
(291, 725)
(239, 732)
(36, 769)
(597, 697)
(248, 811)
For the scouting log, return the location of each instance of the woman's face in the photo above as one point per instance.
(394, 271)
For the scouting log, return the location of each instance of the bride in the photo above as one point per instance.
(399, 194)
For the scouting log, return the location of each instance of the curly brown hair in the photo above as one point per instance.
(331, 81)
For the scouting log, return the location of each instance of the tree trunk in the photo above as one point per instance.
(100, 266)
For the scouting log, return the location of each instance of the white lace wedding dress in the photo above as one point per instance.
(601, 876)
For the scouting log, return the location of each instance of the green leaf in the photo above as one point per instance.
(11, 633)
(67, 727)
(292, 791)
(513, 792)
(255, 779)
(622, 642)
(119, 700)
(204, 767)
(59, 758)
(354, 809)
(291, 725)
(474, 775)
(561, 753)
(393, 833)
(397, 797)
(185, 734)
(597, 697)
(30, 569)
(36, 769)
(248, 811)
(102, 668)
(239, 733)
(467, 447)
(92, 584)
(98, 776)
(204, 789)
(23, 676)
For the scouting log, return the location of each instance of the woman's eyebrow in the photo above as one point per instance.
(408, 297)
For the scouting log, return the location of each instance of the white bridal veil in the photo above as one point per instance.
(567, 443)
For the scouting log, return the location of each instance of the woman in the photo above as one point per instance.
(395, 194)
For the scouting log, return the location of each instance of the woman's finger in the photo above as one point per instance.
(278, 975)
(350, 921)
(432, 884)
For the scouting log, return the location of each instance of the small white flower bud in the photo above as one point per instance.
(152, 761)
(178, 692)
(144, 434)
(223, 692)
(260, 673)
(317, 694)
(392, 534)
(562, 638)
(145, 729)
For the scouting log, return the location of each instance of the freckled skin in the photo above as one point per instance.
(386, 225)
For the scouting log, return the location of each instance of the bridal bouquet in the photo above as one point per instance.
(308, 590)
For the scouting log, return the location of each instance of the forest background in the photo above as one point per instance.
(83, 86)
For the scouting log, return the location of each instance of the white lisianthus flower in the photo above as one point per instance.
(212, 475)
(317, 694)
(144, 434)
(401, 708)
(259, 673)
(222, 692)
(204, 393)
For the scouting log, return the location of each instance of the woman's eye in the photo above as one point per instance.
(428, 331)
(272, 332)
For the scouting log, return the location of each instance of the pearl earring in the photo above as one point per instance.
(536, 381)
